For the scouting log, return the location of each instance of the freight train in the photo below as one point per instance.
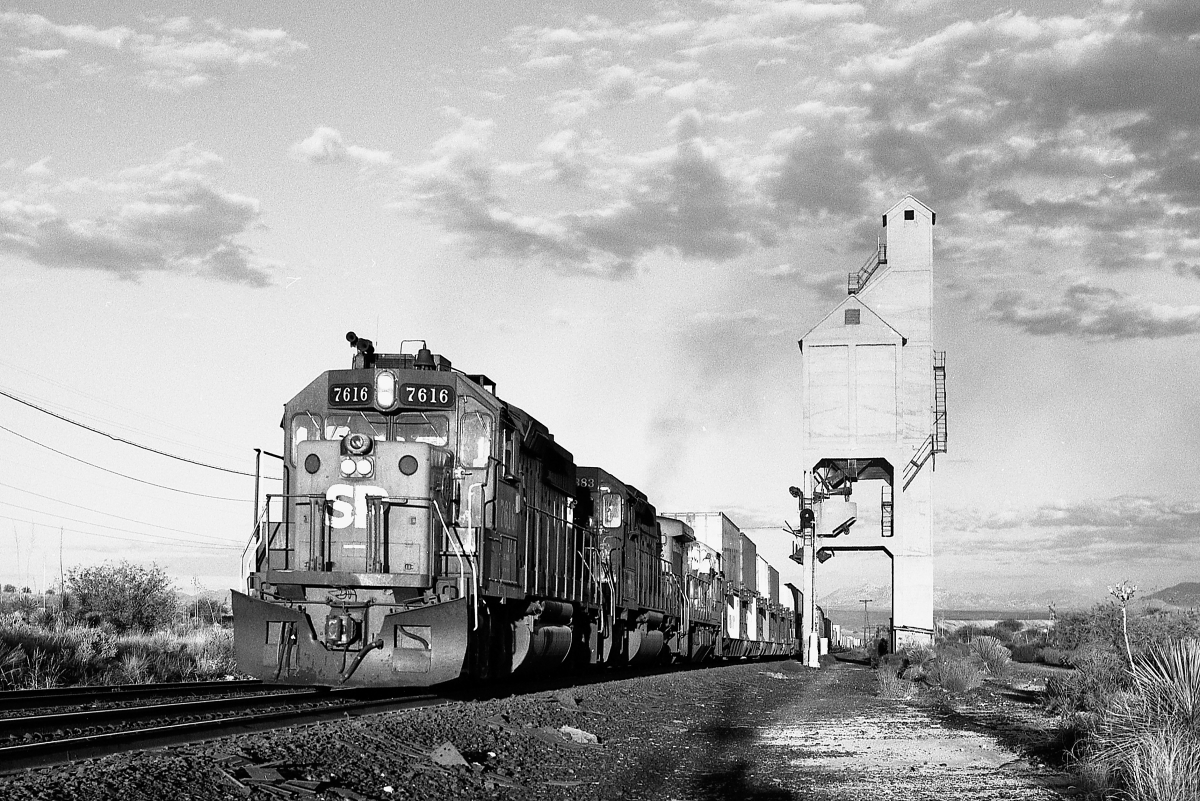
(429, 531)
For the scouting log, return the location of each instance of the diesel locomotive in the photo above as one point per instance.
(428, 530)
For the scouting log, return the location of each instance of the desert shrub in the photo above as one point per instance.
(1011, 625)
(954, 672)
(1147, 739)
(1100, 627)
(966, 633)
(129, 597)
(1098, 677)
(33, 657)
(207, 610)
(991, 652)
(996, 633)
(1055, 656)
(1024, 652)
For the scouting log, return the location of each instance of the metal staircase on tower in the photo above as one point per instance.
(856, 281)
(885, 510)
(936, 441)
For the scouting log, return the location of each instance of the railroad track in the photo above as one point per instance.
(71, 696)
(59, 737)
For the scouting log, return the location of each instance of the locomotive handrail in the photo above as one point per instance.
(683, 606)
(462, 553)
(265, 515)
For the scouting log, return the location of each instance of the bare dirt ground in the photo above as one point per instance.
(832, 738)
(767, 731)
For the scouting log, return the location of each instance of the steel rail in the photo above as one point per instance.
(16, 758)
(122, 714)
(57, 696)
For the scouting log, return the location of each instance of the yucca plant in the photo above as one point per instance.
(1149, 736)
(995, 656)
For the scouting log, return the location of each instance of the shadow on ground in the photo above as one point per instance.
(712, 762)
(730, 742)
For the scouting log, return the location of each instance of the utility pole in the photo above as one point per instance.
(866, 618)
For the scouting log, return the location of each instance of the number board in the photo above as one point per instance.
(427, 396)
(350, 396)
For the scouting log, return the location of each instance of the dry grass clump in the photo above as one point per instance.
(955, 670)
(32, 657)
(891, 686)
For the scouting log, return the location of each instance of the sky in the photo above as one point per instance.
(626, 214)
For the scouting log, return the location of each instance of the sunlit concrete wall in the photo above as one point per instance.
(867, 379)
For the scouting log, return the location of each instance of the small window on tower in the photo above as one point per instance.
(909, 214)
(852, 316)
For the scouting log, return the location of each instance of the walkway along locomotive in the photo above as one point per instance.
(428, 530)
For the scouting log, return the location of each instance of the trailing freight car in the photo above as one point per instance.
(428, 530)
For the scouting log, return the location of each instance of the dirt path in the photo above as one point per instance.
(834, 739)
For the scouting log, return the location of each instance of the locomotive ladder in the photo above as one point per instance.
(936, 441)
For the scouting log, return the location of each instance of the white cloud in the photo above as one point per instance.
(35, 25)
(1109, 530)
(172, 54)
(171, 216)
(31, 57)
(327, 146)
(676, 200)
(1093, 312)
(39, 168)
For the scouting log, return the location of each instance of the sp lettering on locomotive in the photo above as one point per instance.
(348, 504)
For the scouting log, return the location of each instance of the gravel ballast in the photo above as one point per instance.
(771, 730)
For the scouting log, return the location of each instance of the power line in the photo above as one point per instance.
(122, 475)
(202, 546)
(141, 413)
(98, 511)
(111, 528)
(114, 437)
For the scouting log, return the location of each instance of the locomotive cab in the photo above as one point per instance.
(365, 569)
(634, 624)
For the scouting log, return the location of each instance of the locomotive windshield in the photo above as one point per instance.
(421, 427)
(339, 425)
(475, 439)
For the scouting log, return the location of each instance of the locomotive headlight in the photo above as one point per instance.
(357, 444)
(347, 467)
(385, 390)
(362, 466)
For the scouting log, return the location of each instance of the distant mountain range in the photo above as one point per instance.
(1185, 595)
(850, 598)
